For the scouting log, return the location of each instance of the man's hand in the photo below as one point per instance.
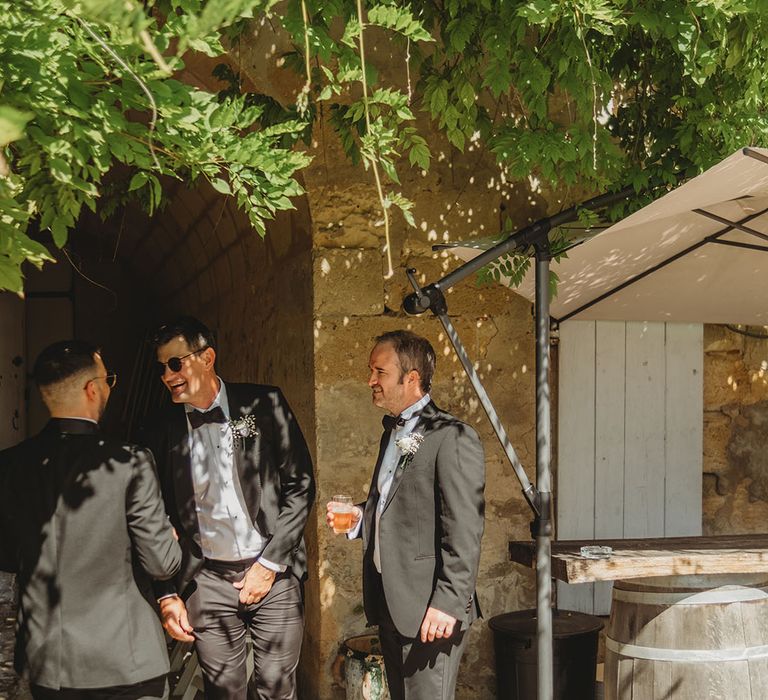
(357, 513)
(436, 625)
(173, 613)
(256, 584)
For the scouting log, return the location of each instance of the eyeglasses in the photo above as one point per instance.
(174, 363)
(110, 379)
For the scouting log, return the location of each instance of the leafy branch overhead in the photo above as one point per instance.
(587, 95)
(86, 86)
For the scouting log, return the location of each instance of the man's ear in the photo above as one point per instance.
(414, 377)
(210, 358)
(91, 391)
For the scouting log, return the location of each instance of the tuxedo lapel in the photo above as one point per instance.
(423, 426)
(181, 465)
(373, 491)
(245, 453)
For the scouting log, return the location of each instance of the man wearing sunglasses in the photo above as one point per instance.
(237, 480)
(83, 526)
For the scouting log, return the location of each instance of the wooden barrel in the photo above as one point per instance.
(688, 638)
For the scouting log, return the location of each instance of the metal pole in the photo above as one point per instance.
(542, 526)
(528, 489)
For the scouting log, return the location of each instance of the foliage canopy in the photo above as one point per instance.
(589, 94)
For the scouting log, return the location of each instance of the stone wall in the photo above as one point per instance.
(353, 302)
(735, 432)
(462, 196)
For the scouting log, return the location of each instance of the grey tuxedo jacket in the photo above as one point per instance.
(275, 471)
(430, 528)
(82, 525)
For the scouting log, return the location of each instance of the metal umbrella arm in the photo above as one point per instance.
(433, 298)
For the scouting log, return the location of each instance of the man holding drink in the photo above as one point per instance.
(421, 525)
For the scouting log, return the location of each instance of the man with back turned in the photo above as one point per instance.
(83, 527)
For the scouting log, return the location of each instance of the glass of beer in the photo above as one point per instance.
(341, 507)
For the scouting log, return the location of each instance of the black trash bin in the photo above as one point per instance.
(575, 654)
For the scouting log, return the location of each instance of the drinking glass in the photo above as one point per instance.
(342, 508)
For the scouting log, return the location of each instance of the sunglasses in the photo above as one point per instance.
(174, 363)
(110, 379)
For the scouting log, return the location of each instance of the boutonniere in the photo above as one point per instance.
(408, 446)
(243, 427)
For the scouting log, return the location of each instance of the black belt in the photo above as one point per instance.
(228, 566)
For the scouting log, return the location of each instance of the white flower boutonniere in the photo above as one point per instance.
(243, 427)
(408, 446)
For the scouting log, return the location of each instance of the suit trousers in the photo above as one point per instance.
(221, 623)
(418, 670)
(153, 689)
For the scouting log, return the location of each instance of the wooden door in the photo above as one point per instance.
(12, 370)
(630, 420)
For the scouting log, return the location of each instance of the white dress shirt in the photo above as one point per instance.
(389, 462)
(226, 530)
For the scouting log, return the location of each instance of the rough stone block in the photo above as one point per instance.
(717, 432)
(718, 338)
(348, 282)
(726, 380)
(348, 217)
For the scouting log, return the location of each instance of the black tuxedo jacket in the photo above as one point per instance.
(275, 471)
(83, 526)
(430, 528)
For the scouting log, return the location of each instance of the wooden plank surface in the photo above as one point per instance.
(610, 399)
(644, 463)
(576, 448)
(683, 442)
(657, 556)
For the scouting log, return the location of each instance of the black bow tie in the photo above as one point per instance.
(198, 418)
(392, 422)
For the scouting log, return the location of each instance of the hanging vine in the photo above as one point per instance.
(650, 90)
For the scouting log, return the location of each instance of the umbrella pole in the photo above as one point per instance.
(541, 527)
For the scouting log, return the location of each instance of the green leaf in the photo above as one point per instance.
(221, 186)
(60, 232)
(12, 123)
(137, 181)
(10, 275)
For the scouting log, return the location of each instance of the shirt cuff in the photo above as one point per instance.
(279, 568)
(167, 595)
(354, 533)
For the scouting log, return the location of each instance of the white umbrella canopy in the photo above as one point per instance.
(699, 254)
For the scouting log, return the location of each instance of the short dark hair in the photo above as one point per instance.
(194, 331)
(63, 360)
(413, 352)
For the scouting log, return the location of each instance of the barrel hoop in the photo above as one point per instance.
(724, 594)
(689, 655)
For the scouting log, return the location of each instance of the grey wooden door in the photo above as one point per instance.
(630, 420)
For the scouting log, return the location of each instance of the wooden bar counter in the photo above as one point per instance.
(659, 556)
(689, 615)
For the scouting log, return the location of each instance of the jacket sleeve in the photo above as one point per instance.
(151, 533)
(460, 485)
(297, 484)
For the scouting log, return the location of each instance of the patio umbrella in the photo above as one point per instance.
(693, 255)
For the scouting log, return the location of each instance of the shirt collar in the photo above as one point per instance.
(90, 420)
(415, 408)
(220, 400)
